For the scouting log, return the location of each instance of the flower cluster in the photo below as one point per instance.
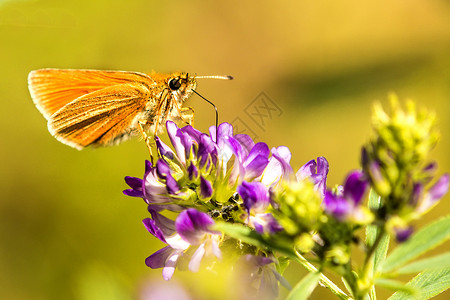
(208, 178)
(217, 180)
(394, 161)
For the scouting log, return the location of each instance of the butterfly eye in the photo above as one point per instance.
(174, 84)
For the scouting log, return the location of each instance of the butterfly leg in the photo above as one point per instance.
(146, 139)
(187, 115)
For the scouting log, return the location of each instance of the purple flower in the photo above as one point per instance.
(278, 167)
(201, 168)
(258, 272)
(344, 203)
(403, 234)
(206, 189)
(426, 200)
(316, 172)
(136, 187)
(255, 196)
(194, 227)
(182, 142)
(164, 172)
(167, 257)
(250, 162)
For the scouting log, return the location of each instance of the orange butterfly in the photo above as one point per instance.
(102, 108)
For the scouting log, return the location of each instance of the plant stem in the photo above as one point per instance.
(323, 279)
(368, 267)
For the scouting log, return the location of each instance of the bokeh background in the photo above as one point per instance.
(66, 229)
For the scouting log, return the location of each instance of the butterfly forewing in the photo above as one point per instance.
(102, 117)
(51, 89)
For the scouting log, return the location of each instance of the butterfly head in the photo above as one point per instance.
(182, 85)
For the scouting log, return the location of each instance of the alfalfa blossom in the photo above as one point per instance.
(242, 200)
(345, 201)
(205, 178)
(191, 230)
(256, 200)
(395, 163)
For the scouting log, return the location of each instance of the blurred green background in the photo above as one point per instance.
(67, 232)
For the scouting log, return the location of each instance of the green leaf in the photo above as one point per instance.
(430, 263)
(240, 232)
(305, 287)
(428, 283)
(396, 286)
(426, 239)
(250, 236)
(373, 231)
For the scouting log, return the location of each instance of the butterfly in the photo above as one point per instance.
(103, 108)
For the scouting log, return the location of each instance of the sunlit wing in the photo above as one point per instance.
(51, 89)
(100, 118)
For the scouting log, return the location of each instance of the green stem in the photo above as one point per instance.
(368, 267)
(323, 279)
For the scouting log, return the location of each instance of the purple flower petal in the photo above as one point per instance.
(162, 168)
(317, 172)
(192, 224)
(163, 149)
(206, 189)
(322, 173)
(148, 166)
(192, 172)
(154, 229)
(206, 149)
(175, 136)
(439, 189)
(136, 187)
(154, 190)
(255, 167)
(194, 263)
(254, 195)
(171, 264)
(246, 141)
(336, 206)
(236, 147)
(133, 182)
(164, 229)
(256, 161)
(192, 132)
(434, 194)
(164, 224)
(265, 223)
(403, 234)
(182, 142)
(172, 185)
(224, 130)
(417, 194)
(158, 259)
(215, 249)
(164, 172)
(165, 258)
(133, 193)
(355, 187)
(259, 269)
(307, 170)
(278, 166)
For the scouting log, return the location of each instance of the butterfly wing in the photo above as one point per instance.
(51, 89)
(103, 117)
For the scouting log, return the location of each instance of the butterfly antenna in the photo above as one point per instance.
(226, 77)
(215, 108)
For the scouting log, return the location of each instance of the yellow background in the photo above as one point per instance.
(66, 230)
